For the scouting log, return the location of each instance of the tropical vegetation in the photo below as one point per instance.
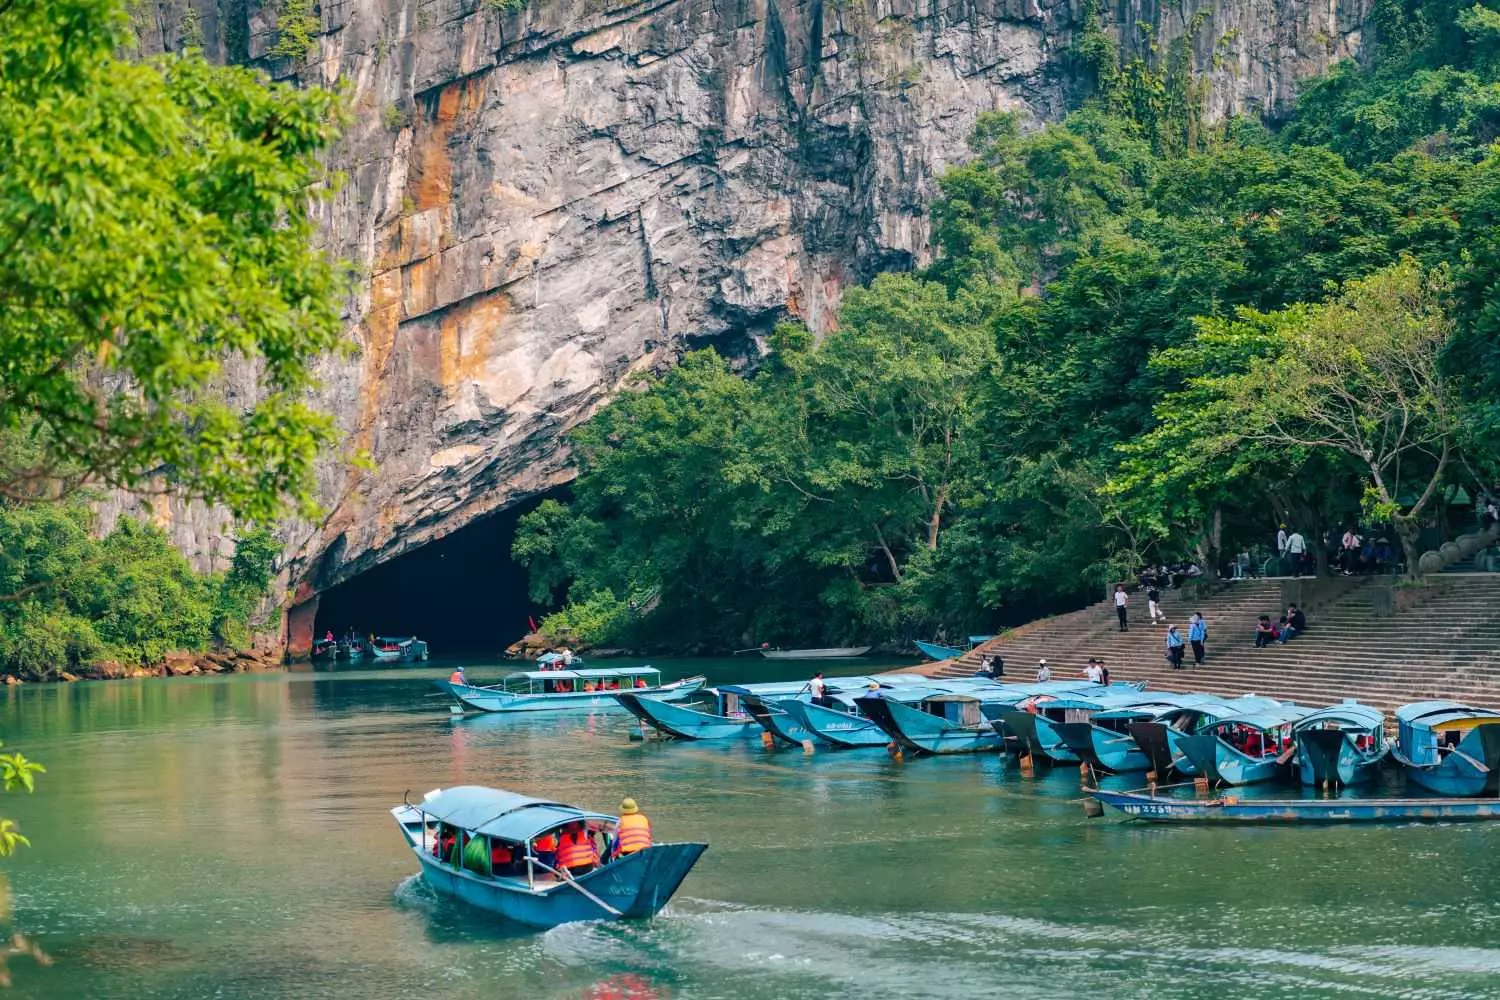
(1143, 337)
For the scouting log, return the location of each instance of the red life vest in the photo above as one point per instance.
(577, 851)
(499, 854)
(635, 833)
(547, 843)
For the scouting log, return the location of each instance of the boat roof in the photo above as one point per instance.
(1432, 712)
(497, 813)
(1266, 718)
(1162, 702)
(1348, 711)
(775, 689)
(975, 640)
(592, 673)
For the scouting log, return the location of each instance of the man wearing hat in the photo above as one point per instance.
(635, 830)
(872, 689)
(1043, 672)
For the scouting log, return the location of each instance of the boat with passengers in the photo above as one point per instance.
(787, 719)
(587, 690)
(959, 719)
(723, 712)
(1159, 739)
(1448, 748)
(1343, 744)
(1246, 748)
(1101, 736)
(496, 850)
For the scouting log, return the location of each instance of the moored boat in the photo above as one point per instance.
(825, 653)
(1448, 748)
(1101, 737)
(797, 719)
(1159, 739)
(479, 824)
(1340, 745)
(716, 713)
(958, 719)
(943, 651)
(1247, 748)
(388, 649)
(568, 690)
(1230, 809)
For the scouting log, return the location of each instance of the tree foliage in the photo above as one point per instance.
(161, 293)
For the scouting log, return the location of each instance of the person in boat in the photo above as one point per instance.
(872, 689)
(502, 858)
(640, 682)
(589, 686)
(576, 852)
(634, 832)
(567, 656)
(1043, 672)
(1092, 672)
(544, 848)
(986, 667)
(819, 690)
(443, 845)
(457, 677)
(328, 636)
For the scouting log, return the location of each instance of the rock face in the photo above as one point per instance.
(547, 200)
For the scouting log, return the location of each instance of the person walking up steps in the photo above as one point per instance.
(1174, 647)
(1120, 601)
(1197, 633)
(1153, 603)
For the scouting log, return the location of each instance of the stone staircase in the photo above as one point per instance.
(1444, 642)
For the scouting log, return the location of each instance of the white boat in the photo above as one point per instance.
(829, 653)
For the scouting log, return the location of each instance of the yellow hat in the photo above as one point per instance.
(628, 807)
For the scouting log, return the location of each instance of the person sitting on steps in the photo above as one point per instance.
(1265, 632)
(1296, 623)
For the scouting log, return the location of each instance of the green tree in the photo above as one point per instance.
(161, 293)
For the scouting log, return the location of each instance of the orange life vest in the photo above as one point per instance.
(499, 854)
(457, 677)
(546, 844)
(577, 851)
(640, 683)
(635, 833)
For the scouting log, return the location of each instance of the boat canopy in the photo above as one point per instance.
(592, 674)
(780, 689)
(505, 815)
(1269, 718)
(1433, 713)
(975, 640)
(1161, 704)
(1351, 712)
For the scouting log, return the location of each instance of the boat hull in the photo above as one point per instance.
(840, 729)
(1329, 757)
(830, 653)
(936, 651)
(775, 719)
(1134, 805)
(1102, 747)
(1472, 770)
(683, 723)
(1036, 735)
(492, 700)
(922, 732)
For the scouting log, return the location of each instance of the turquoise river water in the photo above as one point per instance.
(229, 838)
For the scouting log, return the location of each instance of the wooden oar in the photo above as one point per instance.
(567, 879)
(1479, 765)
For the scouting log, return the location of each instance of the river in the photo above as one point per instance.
(229, 838)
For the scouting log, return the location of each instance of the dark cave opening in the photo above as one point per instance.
(463, 593)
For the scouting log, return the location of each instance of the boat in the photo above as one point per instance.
(959, 718)
(1101, 736)
(1230, 809)
(324, 649)
(829, 653)
(1343, 744)
(717, 713)
(1246, 748)
(529, 891)
(844, 725)
(388, 649)
(1159, 738)
(567, 660)
(563, 690)
(1448, 748)
(787, 719)
(940, 651)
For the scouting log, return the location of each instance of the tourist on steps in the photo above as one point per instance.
(1197, 633)
(1296, 623)
(1265, 632)
(1153, 603)
(1174, 647)
(1120, 601)
(1043, 672)
(1094, 672)
(1281, 542)
(1296, 551)
(635, 830)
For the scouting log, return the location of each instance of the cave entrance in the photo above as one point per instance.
(462, 593)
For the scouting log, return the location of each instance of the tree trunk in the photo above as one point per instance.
(890, 557)
(1408, 531)
(937, 517)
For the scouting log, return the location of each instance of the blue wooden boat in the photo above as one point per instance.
(1340, 745)
(940, 651)
(959, 719)
(530, 891)
(1101, 737)
(564, 690)
(1159, 738)
(1035, 723)
(387, 649)
(838, 722)
(1448, 748)
(1228, 809)
(717, 713)
(1247, 748)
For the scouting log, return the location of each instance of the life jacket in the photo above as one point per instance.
(547, 843)
(640, 683)
(500, 854)
(577, 851)
(635, 833)
(456, 677)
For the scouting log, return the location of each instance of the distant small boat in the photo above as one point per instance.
(325, 649)
(565, 690)
(938, 651)
(568, 660)
(830, 653)
(1228, 809)
(1245, 749)
(1448, 748)
(528, 890)
(387, 649)
(1340, 745)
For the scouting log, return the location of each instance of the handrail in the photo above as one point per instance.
(567, 879)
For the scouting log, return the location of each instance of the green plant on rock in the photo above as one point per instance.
(297, 28)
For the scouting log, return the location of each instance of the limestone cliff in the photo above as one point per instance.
(546, 200)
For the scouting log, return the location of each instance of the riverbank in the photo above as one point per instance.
(176, 664)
